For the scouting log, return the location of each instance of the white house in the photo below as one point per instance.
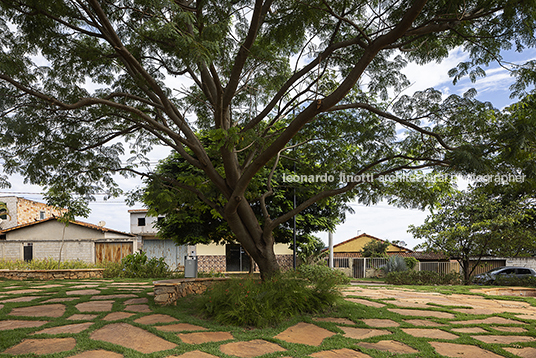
(76, 241)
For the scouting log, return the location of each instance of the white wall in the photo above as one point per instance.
(149, 224)
(529, 262)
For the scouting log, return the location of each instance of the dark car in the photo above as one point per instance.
(503, 273)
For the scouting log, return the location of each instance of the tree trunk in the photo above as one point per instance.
(466, 271)
(267, 263)
(259, 245)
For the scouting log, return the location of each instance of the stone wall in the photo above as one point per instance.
(73, 274)
(167, 292)
(28, 211)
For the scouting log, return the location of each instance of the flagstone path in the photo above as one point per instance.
(121, 320)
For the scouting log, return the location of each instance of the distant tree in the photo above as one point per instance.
(497, 216)
(312, 252)
(473, 224)
(261, 77)
(375, 248)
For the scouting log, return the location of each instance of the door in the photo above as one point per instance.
(236, 258)
(28, 252)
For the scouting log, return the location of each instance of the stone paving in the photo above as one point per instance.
(121, 320)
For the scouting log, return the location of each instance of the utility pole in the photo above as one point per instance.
(330, 248)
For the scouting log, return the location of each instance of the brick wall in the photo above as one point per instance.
(10, 250)
(72, 250)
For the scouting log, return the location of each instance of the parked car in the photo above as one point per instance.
(505, 272)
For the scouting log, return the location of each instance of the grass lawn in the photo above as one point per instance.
(185, 313)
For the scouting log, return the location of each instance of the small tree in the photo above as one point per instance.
(474, 224)
(72, 208)
(312, 252)
(395, 263)
(375, 248)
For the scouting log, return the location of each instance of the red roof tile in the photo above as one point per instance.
(79, 223)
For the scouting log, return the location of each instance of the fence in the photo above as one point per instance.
(367, 267)
(441, 267)
(486, 265)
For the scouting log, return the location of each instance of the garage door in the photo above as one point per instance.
(112, 251)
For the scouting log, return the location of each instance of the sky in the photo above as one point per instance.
(382, 220)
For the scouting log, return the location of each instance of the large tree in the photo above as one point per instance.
(260, 76)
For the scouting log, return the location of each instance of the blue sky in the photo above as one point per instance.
(382, 220)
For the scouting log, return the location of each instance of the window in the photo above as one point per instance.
(42, 215)
(141, 221)
(523, 272)
(160, 218)
(2, 236)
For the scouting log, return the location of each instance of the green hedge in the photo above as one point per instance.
(46, 264)
(422, 278)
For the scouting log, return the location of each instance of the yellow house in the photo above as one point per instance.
(353, 247)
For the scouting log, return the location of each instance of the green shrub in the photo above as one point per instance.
(411, 262)
(395, 264)
(45, 264)
(322, 273)
(250, 302)
(512, 280)
(111, 269)
(139, 266)
(422, 278)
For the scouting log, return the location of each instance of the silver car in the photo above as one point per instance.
(503, 273)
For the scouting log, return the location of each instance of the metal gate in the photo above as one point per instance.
(112, 251)
(173, 255)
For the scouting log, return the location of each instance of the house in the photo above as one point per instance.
(142, 226)
(228, 257)
(353, 247)
(77, 241)
(16, 211)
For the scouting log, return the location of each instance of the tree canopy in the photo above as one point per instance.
(261, 77)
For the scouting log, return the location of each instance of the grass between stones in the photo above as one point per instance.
(185, 313)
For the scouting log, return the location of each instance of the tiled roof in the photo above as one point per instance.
(79, 223)
(419, 255)
(372, 237)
